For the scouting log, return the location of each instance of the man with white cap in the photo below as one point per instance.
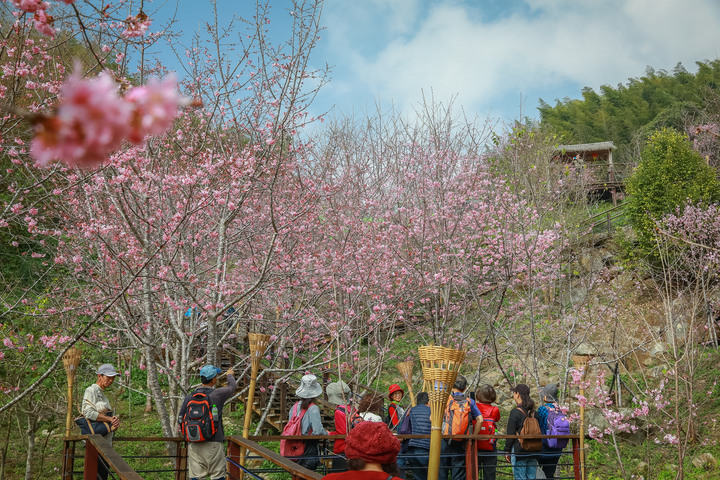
(96, 407)
(206, 459)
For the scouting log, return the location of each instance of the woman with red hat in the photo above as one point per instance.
(395, 411)
(372, 451)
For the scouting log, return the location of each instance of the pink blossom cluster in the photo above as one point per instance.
(51, 342)
(42, 22)
(136, 26)
(91, 119)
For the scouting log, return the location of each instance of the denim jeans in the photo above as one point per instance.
(416, 461)
(524, 468)
(452, 460)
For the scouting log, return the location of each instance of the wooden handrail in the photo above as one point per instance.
(237, 443)
(95, 447)
(603, 213)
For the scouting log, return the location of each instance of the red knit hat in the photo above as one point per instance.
(395, 388)
(372, 442)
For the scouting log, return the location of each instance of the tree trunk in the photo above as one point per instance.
(3, 455)
(32, 423)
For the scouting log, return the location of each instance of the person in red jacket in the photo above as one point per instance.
(485, 395)
(340, 395)
(372, 452)
(395, 411)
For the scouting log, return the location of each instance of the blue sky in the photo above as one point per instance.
(495, 57)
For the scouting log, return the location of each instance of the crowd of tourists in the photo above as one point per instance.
(369, 448)
(371, 444)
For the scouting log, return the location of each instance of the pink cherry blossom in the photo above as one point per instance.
(136, 26)
(30, 6)
(91, 121)
(43, 23)
(155, 107)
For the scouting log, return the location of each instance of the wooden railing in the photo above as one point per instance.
(97, 449)
(574, 451)
(605, 217)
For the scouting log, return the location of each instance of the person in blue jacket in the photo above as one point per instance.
(417, 450)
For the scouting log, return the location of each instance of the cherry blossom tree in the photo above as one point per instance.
(188, 221)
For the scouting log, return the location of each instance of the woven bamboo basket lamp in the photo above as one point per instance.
(581, 362)
(258, 344)
(406, 370)
(71, 360)
(440, 367)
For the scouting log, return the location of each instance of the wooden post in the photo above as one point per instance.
(258, 345)
(440, 368)
(71, 360)
(91, 462)
(181, 462)
(234, 454)
(576, 458)
(581, 363)
(68, 459)
(406, 370)
(609, 224)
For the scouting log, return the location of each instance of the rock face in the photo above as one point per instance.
(642, 469)
(705, 461)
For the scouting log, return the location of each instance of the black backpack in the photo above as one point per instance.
(198, 424)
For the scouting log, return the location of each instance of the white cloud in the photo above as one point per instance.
(393, 50)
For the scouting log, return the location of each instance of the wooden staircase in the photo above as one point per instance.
(286, 398)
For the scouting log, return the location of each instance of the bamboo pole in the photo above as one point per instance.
(581, 363)
(258, 344)
(406, 370)
(440, 368)
(71, 360)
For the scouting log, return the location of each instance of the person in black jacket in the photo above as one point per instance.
(524, 463)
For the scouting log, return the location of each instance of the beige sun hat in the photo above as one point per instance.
(309, 387)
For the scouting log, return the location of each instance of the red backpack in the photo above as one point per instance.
(487, 428)
(291, 447)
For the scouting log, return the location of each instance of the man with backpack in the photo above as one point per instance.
(460, 414)
(552, 422)
(200, 420)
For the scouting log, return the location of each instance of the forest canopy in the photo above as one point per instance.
(657, 99)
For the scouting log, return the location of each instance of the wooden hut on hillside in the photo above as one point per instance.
(595, 165)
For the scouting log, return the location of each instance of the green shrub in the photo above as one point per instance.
(670, 175)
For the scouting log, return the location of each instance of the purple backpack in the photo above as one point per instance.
(557, 424)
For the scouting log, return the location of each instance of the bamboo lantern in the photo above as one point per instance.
(440, 368)
(71, 360)
(406, 370)
(581, 362)
(258, 344)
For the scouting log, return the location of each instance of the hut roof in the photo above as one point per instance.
(586, 147)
